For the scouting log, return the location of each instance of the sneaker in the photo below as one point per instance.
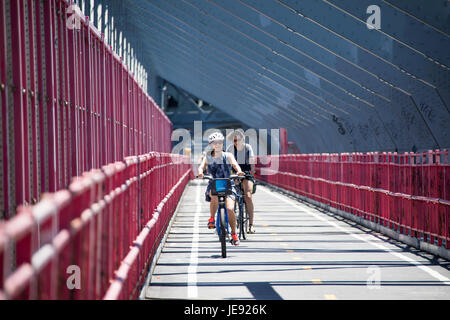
(211, 223)
(235, 239)
(251, 229)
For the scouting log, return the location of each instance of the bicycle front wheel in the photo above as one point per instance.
(223, 233)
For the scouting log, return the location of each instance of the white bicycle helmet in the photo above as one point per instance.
(216, 136)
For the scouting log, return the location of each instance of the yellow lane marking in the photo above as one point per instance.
(316, 281)
(289, 251)
(330, 297)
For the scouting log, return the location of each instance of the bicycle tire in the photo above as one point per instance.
(242, 220)
(223, 233)
(238, 216)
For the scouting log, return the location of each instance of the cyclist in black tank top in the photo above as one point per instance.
(243, 153)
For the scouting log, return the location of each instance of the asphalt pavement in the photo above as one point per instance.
(297, 252)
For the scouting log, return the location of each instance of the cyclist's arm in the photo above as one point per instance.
(201, 167)
(252, 165)
(252, 159)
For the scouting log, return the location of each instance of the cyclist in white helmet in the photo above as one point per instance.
(219, 165)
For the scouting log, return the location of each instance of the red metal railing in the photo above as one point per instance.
(68, 103)
(108, 223)
(408, 192)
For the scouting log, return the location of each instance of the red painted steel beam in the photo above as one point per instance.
(4, 94)
(88, 117)
(34, 109)
(61, 106)
(50, 98)
(104, 104)
(18, 87)
(73, 100)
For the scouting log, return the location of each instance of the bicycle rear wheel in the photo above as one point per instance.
(223, 232)
(242, 221)
(237, 212)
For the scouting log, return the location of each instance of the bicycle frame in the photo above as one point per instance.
(221, 187)
(242, 217)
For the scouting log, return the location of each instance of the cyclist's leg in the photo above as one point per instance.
(248, 187)
(213, 205)
(229, 203)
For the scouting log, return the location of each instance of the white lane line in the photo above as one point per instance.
(192, 269)
(430, 271)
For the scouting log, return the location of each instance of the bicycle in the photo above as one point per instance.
(221, 187)
(242, 217)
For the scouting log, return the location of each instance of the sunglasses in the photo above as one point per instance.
(217, 142)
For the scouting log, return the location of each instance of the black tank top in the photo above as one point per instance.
(246, 165)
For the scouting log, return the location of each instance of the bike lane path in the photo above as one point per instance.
(297, 252)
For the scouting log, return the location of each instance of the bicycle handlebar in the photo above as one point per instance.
(233, 176)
